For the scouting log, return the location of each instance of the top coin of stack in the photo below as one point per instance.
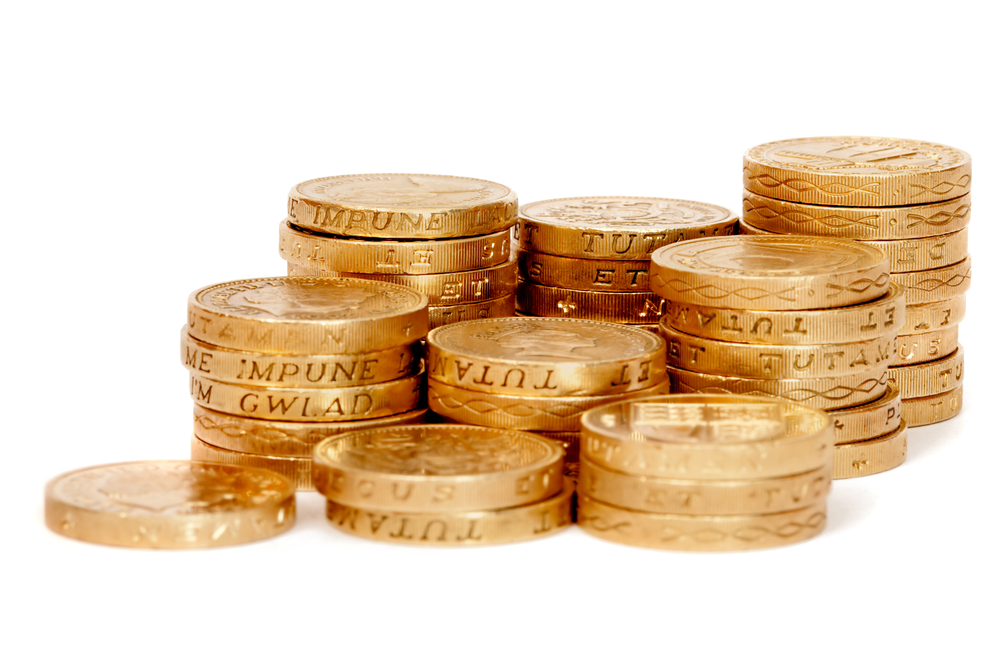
(908, 198)
(588, 257)
(448, 237)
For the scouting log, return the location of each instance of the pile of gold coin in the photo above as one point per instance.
(278, 364)
(448, 237)
(539, 374)
(443, 484)
(705, 472)
(588, 257)
(909, 199)
(810, 319)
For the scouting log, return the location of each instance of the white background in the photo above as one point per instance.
(147, 150)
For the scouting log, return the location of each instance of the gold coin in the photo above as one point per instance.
(711, 437)
(440, 288)
(727, 358)
(869, 223)
(925, 347)
(770, 272)
(930, 378)
(307, 316)
(545, 357)
(169, 504)
(528, 413)
(937, 284)
(869, 420)
(569, 441)
(667, 531)
(933, 409)
(297, 470)
(934, 316)
(317, 251)
(857, 171)
(583, 274)
(864, 457)
(456, 528)
(823, 393)
(617, 227)
(613, 306)
(695, 497)
(440, 315)
(330, 404)
(437, 467)
(268, 436)
(876, 318)
(319, 371)
(402, 205)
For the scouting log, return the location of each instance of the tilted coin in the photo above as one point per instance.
(727, 358)
(926, 317)
(583, 274)
(440, 288)
(301, 247)
(769, 272)
(169, 504)
(613, 306)
(307, 316)
(439, 315)
(667, 531)
(883, 316)
(545, 357)
(402, 205)
(437, 467)
(296, 469)
(930, 378)
(933, 409)
(707, 436)
(864, 457)
(825, 393)
(937, 284)
(857, 171)
(869, 420)
(457, 528)
(276, 438)
(925, 347)
(617, 227)
(869, 223)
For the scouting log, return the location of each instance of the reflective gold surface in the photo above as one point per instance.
(865, 457)
(933, 409)
(925, 347)
(615, 306)
(937, 284)
(296, 469)
(930, 378)
(869, 420)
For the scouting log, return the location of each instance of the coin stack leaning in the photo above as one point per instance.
(908, 198)
(588, 257)
(539, 374)
(448, 237)
(277, 364)
(810, 319)
(705, 472)
(443, 484)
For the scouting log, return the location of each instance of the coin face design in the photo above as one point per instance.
(402, 191)
(639, 213)
(857, 155)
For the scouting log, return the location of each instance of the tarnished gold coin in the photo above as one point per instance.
(864, 457)
(927, 317)
(276, 438)
(612, 306)
(437, 467)
(402, 205)
(617, 227)
(728, 358)
(296, 469)
(937, 284)
(545, 357)
(930, 378)
(169, 504)
(583, 274)
(307, 316)
(707, 436)
(769, 272)
(839, 325)
(925, 347)
(933, 409)
(857, 171)
(439, 315)
(668, 531)
(869, 420)
(825, 393)
(457, 528)
(351, 255)
(869, 223)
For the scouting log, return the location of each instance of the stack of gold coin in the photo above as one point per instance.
(810, 319)
(448, 237)
(588, 257)
(277, 364)
(443, 484)
(705, 472)
(539, 374)
(908, 198)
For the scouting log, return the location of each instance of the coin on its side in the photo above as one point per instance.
(296, 469)
(869, 420)
(936, 284)
(930, 378)
(439, 315)
(613, 306)
(933, 409)
(583, 274)
(925, 317)
(925, 347)
(865, 457)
